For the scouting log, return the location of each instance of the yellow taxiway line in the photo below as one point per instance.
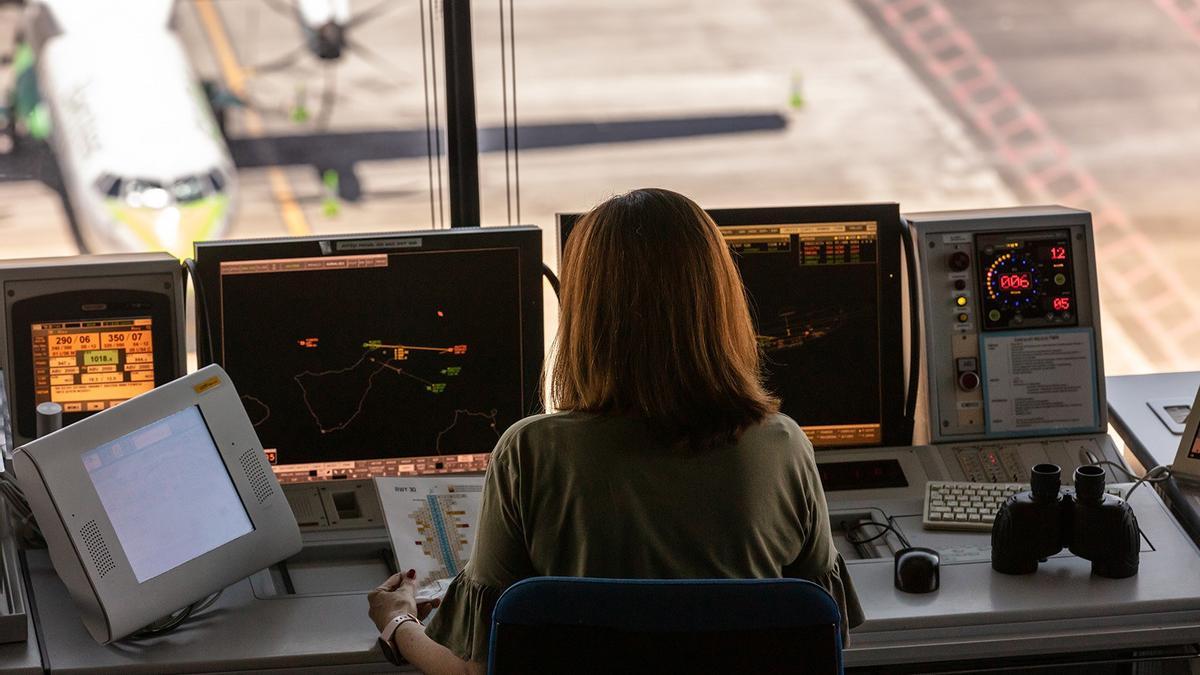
(235, 79)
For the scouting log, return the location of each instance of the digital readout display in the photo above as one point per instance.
(1027, 280)
(87, 366)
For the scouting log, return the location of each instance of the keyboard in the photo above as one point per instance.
(962, 505)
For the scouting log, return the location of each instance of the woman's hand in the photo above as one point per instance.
(398, 595)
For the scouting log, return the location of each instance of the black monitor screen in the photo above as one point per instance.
(390, 355)
(825, 298)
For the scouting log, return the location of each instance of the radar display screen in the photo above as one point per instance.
(90, 365)
(1027, 280)
(814, 293)
(352, 366)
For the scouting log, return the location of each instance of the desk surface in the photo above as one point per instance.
(983, 615)
(977, 614)
(240, 632)
(23, 658)
(1150, 440)
(1137, 424)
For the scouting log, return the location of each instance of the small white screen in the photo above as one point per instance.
(167, 493)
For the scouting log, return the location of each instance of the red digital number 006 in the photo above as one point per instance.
(1014, 282)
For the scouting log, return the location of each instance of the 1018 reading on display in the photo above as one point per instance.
(90, 365)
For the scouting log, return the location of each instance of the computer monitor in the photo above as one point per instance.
(382, 354)
(824, 286)
(88, 332)
(156, 503)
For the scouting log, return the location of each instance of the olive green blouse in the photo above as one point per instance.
(577, 494)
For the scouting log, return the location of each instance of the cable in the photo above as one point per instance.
(914, 327)
(11, 492)
(428, 126)
(210, 338)
(504, 105)
(512, 45)
(1150, 478)
(437, 135)
(551, 277)
(887, 527)
(174, 619)
(1158, 474)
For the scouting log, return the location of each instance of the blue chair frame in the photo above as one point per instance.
(611, 625)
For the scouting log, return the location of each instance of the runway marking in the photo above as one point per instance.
(1130, 269)
(235, 78)
(1186, 13)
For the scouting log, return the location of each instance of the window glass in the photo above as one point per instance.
(314, 122)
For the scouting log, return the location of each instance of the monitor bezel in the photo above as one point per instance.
(525, 239)
(110, 303)
(886, 215)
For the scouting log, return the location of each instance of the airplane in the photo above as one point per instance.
(107, 110)
(326, 25)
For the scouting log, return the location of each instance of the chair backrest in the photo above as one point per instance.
(578, 625)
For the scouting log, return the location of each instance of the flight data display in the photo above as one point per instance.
(380, 364)
(1027, 281)
(814, 293)
(86, 366)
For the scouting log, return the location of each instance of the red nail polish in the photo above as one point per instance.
(412, 574)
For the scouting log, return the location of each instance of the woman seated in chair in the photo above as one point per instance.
(668, 459)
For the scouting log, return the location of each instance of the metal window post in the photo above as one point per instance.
(461, 132)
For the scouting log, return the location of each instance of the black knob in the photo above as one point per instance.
(959, 261)
(960, 284)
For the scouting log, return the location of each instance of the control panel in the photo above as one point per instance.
(1009, 462)
(1011, 323)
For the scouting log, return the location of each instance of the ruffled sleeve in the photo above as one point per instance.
(463, 623)
(819, 560)
(837, 581)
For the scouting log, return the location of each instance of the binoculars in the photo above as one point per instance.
(1034, 525)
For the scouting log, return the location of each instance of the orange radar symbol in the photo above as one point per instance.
(400, 352)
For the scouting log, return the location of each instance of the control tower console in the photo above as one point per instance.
(1015, 369)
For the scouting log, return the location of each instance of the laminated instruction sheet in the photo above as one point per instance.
(431, 521)
(1039, 382)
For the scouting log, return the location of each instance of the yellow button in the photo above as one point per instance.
(961, 301)
(962, 317)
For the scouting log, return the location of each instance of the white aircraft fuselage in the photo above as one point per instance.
(143, 161)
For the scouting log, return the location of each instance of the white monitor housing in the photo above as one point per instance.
(156, 503)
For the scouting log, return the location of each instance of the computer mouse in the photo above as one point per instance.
(917, 570)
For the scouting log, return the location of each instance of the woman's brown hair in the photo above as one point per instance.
(654, 322)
